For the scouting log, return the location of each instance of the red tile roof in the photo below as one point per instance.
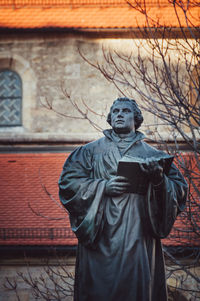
(183, 232)
(85, 14)
(29, 216)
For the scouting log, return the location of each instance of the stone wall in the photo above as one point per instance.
(29, 278)
(19, 276)
(48, 64)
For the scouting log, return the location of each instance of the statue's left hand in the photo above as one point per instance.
(153, 170)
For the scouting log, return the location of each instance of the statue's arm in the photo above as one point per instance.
(82, 195)
(165, 201)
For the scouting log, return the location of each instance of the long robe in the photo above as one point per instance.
(119, 256)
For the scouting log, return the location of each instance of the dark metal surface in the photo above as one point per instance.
(119, 253)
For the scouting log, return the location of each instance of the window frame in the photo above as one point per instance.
(19, 123)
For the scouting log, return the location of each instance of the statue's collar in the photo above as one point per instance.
(132, 137)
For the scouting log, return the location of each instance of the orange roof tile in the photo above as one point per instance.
(183, 231)
(30, 210)
(64, 3)
(84, 15)
(28, 216)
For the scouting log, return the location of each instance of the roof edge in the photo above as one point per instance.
(122, 32)
(16, 255)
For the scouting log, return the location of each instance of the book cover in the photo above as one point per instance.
(129, 167)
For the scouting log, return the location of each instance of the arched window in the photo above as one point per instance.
(10, 98)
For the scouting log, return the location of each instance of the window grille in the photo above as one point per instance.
(10, 98)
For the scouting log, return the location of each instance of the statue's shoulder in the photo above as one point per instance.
(88, 149)
(96, 145)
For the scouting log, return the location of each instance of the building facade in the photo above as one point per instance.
(52, 99)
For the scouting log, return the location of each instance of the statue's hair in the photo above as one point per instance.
(138, 118)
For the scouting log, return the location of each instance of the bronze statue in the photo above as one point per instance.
(119, 256)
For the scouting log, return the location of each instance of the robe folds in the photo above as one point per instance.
(119, 255)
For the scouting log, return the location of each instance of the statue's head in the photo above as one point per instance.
(125, 115)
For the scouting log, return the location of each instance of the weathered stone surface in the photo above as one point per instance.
(48, 65)
(23, 276)
(51, 63)
(36, 268)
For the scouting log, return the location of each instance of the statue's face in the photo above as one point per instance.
(122, 117)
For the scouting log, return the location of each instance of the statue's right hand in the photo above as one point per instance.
(116, 186)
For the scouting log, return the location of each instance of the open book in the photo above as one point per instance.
(129, 167)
